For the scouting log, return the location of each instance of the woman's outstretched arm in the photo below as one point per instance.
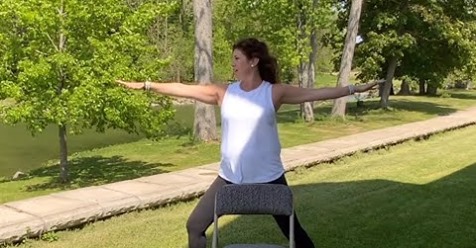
(208, 93)
(288, 94)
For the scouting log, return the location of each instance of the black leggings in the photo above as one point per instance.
(202, 217)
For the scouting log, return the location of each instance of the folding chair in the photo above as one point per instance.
(247, 199)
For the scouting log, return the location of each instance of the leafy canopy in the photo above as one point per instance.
(60, 59)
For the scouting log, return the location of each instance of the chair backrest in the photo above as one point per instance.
(275, 199)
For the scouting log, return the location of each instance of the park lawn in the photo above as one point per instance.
(146, 157)
(416, 194)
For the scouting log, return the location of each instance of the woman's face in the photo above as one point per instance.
(242, 66)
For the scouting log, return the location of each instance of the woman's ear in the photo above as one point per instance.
(254, 62)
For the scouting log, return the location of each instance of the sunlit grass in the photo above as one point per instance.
(418, 194)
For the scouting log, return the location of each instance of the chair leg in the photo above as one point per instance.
(291, 231)
(215, 231)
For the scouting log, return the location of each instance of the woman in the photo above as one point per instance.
(250, 148)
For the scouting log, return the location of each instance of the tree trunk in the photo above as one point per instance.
(422, 87)
(338, 110)
(405, 88)
(64, 170)
(387, 87)
(178, 75)
(306, 69)
(302, 77)
(311, 77)
(205, 122)
(302, 67)
(307, 111)
(432, 90)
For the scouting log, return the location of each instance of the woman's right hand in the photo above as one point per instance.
(131, 85)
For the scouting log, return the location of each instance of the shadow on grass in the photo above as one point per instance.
(178, 129)
(292, 114)
(323, 112)
(96, 170)
(464, 95)
(423, 107)
(375, 213)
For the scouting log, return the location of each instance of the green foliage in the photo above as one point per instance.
(173, 35)
(62, 58)
(274, 22)
(222, 55)
(430, 39)
(246, 18)
(50, 237)
(447, 46)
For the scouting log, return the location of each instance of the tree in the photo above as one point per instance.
(173, 35)
(311, 16)
(447, 44)
(273, 21)
(424, 40)
(385, 30)
(205, 122)
(62, 57)
(306, 36)
(338, 110)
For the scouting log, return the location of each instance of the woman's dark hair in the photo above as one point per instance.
(267, 65)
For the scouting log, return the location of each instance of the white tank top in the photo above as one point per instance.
(250, 148)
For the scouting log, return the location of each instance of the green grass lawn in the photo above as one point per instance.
(417, 194)
(325, 80)
(146, 157)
